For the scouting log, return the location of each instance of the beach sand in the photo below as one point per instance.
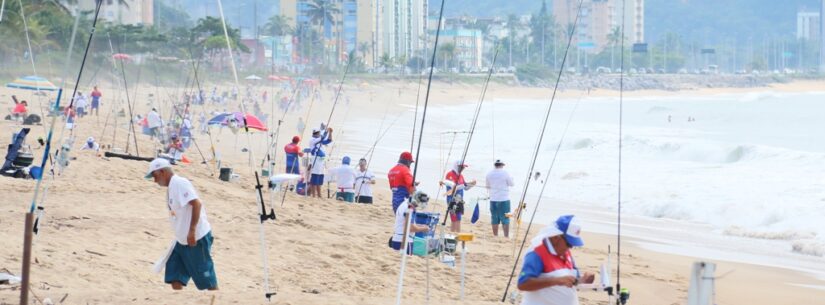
(105, 225)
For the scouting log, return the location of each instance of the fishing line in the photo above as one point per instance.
(31, 56)
(33, 206)
(403, 245)
(538, 146)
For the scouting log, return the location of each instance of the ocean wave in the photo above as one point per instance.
(809, 248)
(781, 235)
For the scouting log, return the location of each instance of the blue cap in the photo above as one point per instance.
(571, 228)
(345, 160)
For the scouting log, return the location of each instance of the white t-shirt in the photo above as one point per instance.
(317, 164)
(400, 218)
(499, 183)
(80, 102)
(153, 119)
(345, 178)
(362, 183)
(180, 193)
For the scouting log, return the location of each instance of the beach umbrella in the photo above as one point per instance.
(274, 77)
(32, 83)
(122, 56)
(220, 119)
(253, 77)
(252, 121)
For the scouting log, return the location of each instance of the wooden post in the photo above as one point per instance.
(27, 257)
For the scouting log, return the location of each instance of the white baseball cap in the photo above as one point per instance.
(158, 163)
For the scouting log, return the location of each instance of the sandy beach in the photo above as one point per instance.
(105, 225)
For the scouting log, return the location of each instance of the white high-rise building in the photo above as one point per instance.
(807, 25)
(400, 28)
(134, 12)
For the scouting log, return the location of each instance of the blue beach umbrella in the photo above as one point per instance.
(32, 83)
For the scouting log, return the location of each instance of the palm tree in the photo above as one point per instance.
(447, 52)
(613, 38)
(364, 47)
(385, 62)
(320, 12)
(278, 25)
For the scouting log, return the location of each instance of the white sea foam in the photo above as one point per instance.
(753, 162)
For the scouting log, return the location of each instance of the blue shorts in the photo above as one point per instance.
(396, 245)
(497, 211)
(316, 179)
(192, 262)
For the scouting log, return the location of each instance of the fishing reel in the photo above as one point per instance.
(420, 199)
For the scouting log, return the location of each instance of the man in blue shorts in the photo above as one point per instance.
(499, 183)
(316, 160)
(190, 257)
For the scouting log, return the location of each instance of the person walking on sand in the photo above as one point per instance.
(364, 179)
(316, 160)
(345, 179)
(498, 184)
(191, 255)
(154, 122)
(95, 101)
(549, 274)
(401, 180)
(80, 104)
(293, 156)
(455, 193)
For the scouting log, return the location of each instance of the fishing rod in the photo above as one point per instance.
(29, 222)
(370, 152)
(129, 103)
(195, 66)
(264, 215)
(31, 56)
(522, 206)
(624, 294)
(272, 147)
(403, 246)
(538, 146)
(326, 133)
(452, 206)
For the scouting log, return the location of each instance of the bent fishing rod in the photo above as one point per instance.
(403, 246)
(272, 147)
(538, 146)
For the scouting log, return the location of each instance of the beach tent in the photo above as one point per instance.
(32, 83)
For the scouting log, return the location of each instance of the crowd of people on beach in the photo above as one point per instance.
(549, 274)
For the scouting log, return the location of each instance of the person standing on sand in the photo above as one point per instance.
(293, 156)
(154, 122)
(191, 256)
(401, 180)
(498, 184)
(455, 195)
(316, 160)
(549, 274)
(95, 101)
(345, 179)
(364, 179)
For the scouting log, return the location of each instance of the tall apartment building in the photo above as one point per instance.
(353, 25)
(401, 28)
(598, 18)
(807, 25)
(134, 12)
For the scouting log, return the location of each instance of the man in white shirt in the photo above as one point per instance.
(364, 179)
(345, 178)
(80, 104)
(190, 257)
(154, 122)
(499, 183)
(400, 221)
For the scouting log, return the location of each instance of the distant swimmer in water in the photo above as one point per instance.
(669, 118)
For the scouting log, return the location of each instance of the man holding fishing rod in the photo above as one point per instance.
(317, 158)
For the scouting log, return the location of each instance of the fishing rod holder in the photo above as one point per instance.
(264, 215)
(269, 295)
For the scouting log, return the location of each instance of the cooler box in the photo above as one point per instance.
(424, 246)
(226, 173)
(428, 219)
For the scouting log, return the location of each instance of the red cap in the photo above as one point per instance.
(407, 156)
(296, 139)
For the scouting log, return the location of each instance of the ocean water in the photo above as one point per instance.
(749, 168)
